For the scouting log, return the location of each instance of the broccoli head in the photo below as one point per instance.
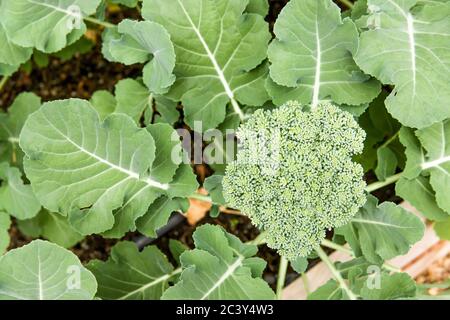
(294, 175)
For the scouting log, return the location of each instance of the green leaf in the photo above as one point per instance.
(142, 41)
(218, 46)
(213, 185)
(48, 25)
(104, 102)
(435, 140)
(12, 54)
(130, 274)
(220, 268)
(260, 7)
(395, 286)
(81, 46)
(157, 216)
(44, 271)
(100, 174)
(52, 226)
(312, 57)
(177, 248)
(407, 46)
(381, 232)
(387, 163)
(132, 98)
(11, 124)
(329, 291)
(16, 198)
(419, 193)
(5, 223)
(300, 264)
(442, 229)
(164, 110)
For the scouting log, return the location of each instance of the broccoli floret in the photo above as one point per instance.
(294, 175)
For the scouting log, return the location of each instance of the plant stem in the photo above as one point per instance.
(329, 244)
(336, 274)
(3, 82)
(202, 197)
(99, 22)
(260, 239)
(282, 269)
(305, 283)
(388, 141)
(347, 3)
(380, 184)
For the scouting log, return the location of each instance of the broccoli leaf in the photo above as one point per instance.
(221, 267)
(312, 56)
(16, 198)
(258, 6)
(48, 25)
(140, 42)
(104, 102)
(44, 271)
(218, 47)
(5, 223)
(408, 46)
(381, 232)
(386, 163)
(11, 124)
(100, 174)
(130, 274)
(442, 229)
(12, 54)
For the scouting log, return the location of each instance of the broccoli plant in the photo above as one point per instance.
(330, 100)
(311, 183)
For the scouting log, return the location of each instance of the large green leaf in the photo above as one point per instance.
(5, 222)
(140, 42)
(16, 198)
(44, 271)
(134, 275)
(11, 124)
(47, 25)
(220, 268)
(218, 47)
(421, 195)
(12, 54)
(312, 55)
(368, 282)
(408, 47)
(436, 142)
(381, 232)
(100, 174)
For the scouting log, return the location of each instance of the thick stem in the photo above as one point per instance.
(336, 274)
(305, 283)
(99, 22)
(260, 239)
(3, 82)
(380, 184)
(282, 269)
(347, 3)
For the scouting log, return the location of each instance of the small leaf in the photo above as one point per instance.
(381, 232)
(300, 264)
(104, 102)
(42, 270)
(143, 41)
(442, 229)
(177, 248)
(397, 285)
(387, 163)
(130, 274)
(16, 198)
(220, 268)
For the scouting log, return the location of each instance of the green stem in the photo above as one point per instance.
(305, 283)
(347, 3)
(260, 239)
(388, 141)
(202, 197)
(3, 82)
(282, 269)
(380, 184)
(99, 22)
(336, 274)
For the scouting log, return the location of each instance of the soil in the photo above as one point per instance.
(79, 77)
